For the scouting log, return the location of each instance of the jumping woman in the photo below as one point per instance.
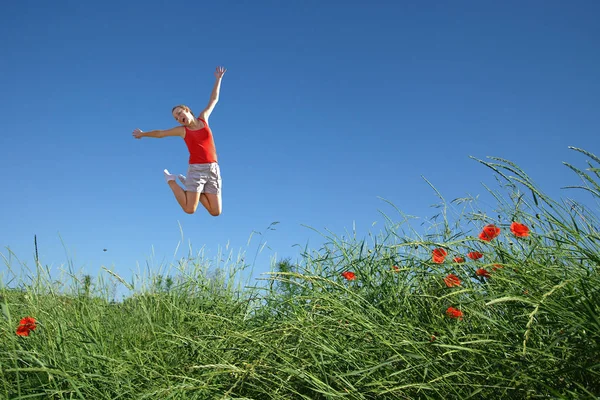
(203, 181)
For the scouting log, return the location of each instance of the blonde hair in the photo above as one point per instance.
(185, 108)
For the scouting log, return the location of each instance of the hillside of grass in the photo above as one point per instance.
(494, 305)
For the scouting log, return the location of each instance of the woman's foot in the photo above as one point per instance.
(168, 176)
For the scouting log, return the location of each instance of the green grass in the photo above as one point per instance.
(530, 330)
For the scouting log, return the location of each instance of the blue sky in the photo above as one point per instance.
(325, 107)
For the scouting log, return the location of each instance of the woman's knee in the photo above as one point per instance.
(190, 209)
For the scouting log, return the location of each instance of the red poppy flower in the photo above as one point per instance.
(474, 255)
(396, 268)
(489, 232)
(29, 323)
(26, 325)
(22, 330)
(452, 280)
(497, 266)
(454, 313)
(519, 230)
(459, 260)
(349, 275)
(439, 255)
(482, 272)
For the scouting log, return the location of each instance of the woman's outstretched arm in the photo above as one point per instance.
(214, 96)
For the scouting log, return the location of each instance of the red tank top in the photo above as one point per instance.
(201, 145)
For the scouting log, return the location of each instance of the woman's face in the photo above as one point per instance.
(183, 116)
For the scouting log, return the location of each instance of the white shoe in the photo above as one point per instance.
(168, 176)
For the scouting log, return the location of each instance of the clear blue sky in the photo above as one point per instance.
(325, 107)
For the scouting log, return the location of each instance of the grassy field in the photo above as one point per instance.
(495, 305)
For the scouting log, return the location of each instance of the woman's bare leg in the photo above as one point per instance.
(212, 203)
(187, 200)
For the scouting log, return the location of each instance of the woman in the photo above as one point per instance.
(203, 181)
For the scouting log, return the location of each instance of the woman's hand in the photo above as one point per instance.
(137, 133)
(220, 72)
